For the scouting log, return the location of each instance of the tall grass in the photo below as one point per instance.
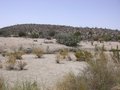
(99, 75)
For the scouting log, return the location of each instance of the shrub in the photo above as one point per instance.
(63, 53)
(22, 34)
(38, 52)
(83, 55)
(34, 35)
(10, 63)
(99, 75)
(18, 54)
(58, 58)
(20, 64)
(71, 82)
(68, 39)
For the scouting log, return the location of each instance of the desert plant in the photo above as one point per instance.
(58, 58)
(10, 63)
(38, 52)
(83, 55)
(68, 39)
(71, 82)
(63, 53)
(98, 75)
(18, 54)
(20, 64)
(26, 85)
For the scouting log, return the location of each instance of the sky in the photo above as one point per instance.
(80, 13)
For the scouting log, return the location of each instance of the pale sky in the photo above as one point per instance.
(84, 13)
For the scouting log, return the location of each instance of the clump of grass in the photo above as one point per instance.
(18, 54)
(10, 63)
(83, 55)
(38, 52)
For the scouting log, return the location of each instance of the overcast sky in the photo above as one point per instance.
(84, 13)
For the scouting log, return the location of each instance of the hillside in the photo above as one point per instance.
(45, 30)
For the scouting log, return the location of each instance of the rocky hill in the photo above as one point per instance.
(45, 30)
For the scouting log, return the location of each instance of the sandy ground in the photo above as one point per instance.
(44, 70)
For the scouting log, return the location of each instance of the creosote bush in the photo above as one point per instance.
(68, 39)
(38, 52)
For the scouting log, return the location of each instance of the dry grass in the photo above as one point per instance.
(1, 64)
(10, 63)
(64, 53)
(38, 52)
(98, 76)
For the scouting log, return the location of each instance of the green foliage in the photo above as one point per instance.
(22, 34)
(83, 55)
(34, 35)
(68, 39)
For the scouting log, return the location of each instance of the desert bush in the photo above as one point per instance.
(68, 39)
(18, 54)
(22, 34)
(71, 82)
(58, 58)
(99, 75)
(34, 35)
(63, 53)
(20, 64)
(83, 55)
(38, 52)
(10, 63)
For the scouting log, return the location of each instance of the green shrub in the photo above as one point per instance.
(22, 34)
(83, 55)
(68, 39)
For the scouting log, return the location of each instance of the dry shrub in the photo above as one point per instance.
(17, 54)
(63, 53)
(98, 75)
(10, 63)
(83, 55)
(38, 52)
(58, 58)
(71, 82)
(20, 65)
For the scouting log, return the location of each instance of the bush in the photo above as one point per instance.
(83, 55)
(38, 52)
(20, 65)
(99, 75)
(22, 34)
(10, 63)
(63, 53)
(18, 54)
(34, 35)
(68, 39)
